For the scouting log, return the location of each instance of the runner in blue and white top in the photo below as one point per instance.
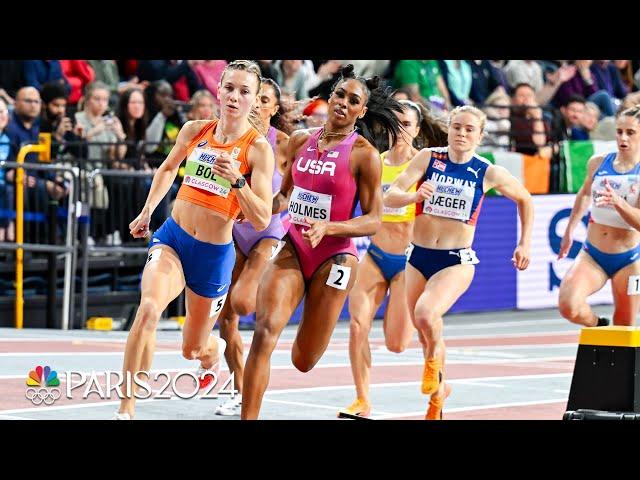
(612, 248)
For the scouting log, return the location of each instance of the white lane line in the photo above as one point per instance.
(534, 346)
(77, 354)
(480, 324)
(474, 408)
(420, 362)
(283, 391)
(479, 384)
(68, 407)
(13, 417)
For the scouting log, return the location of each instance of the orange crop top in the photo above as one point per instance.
(199, 186)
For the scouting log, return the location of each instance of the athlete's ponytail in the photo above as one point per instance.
(433, 130)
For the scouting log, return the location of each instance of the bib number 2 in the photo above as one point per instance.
(339, 276)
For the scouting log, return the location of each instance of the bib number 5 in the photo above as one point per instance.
(217, 304)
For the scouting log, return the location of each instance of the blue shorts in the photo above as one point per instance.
(207, 266)
(430, 261)
(389, 264)
(612, 262)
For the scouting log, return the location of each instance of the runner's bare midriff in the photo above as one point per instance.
(394, 238)
(611, 239)
(202, 223)
(442, 233)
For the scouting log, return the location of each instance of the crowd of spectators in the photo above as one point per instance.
(126, 114)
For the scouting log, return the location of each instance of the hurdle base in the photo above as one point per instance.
(586, 414)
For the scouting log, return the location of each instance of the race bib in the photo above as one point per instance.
(154, 256)
(217, 304)
(198, 173)
(275, 250)
(468, 257)
(339, 276)
(450, 201)
(633, 287)
(409, 251)
(306, 203)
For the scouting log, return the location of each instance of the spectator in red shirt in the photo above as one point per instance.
(79, 74)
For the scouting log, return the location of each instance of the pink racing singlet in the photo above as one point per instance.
(323, 189)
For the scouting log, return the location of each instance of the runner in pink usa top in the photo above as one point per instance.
(328, 170)
(323, 189)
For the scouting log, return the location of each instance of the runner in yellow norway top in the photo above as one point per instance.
(382, 267)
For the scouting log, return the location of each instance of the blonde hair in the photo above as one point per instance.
(479, 114)
(632, 112)
(245, 66)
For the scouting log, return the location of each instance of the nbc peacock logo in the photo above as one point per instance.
(40, 381)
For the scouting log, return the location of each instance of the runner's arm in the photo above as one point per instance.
(397, 196)
(256, 200)
(168, 170)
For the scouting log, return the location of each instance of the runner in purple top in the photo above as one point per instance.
(253, 250)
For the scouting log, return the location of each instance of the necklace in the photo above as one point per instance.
(324, 135)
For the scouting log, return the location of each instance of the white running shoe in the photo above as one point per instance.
(231, 407)
(121, 416)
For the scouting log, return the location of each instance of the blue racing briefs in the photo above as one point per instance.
(389, 264)
(207, 266)
(430, 261)
(612, 262)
